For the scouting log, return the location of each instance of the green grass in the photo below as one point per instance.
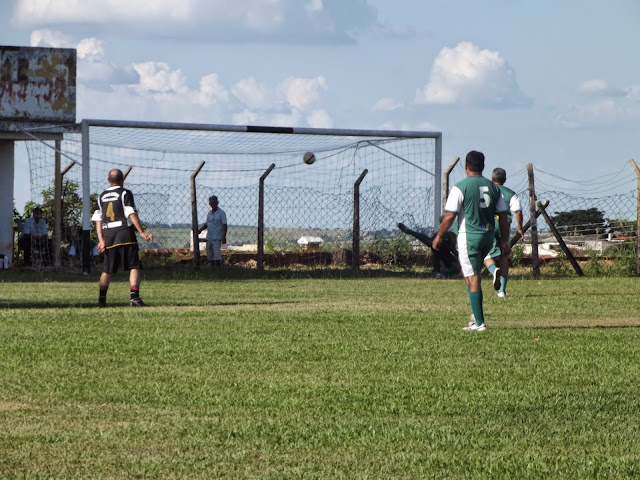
(287, 376)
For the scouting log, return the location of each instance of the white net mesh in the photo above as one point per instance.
(300, 199)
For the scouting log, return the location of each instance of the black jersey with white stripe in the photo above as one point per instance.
(114, 207)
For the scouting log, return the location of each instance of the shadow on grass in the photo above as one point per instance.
(39, 305)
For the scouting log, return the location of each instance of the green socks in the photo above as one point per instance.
(476, 306)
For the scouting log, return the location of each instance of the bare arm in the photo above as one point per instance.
(136, 223)
(100, 236)
(224, 233)
(519, 223)
(505, 246)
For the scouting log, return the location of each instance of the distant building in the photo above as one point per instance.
(310, 243)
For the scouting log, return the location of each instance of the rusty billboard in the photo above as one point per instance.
(37, 85)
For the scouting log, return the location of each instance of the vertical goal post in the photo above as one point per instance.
(403, 184)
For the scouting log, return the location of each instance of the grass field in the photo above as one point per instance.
(288, 376)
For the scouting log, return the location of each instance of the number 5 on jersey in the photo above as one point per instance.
(485, 199)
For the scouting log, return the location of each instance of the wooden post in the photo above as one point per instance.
(57, 206)
(563, 245)
(526, 226)
(194, 217)
(260, 259)
(355, 254)
(635, 167)
(445, 183)
(535, 259)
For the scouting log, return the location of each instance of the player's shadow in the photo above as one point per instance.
(26, 305)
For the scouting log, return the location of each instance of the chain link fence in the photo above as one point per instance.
(300, 200)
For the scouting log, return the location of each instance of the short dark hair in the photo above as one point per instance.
(36, 209)
(212, 197)
(475, 161)
(499, 176)
(116, 176)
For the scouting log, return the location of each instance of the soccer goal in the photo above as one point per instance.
(259, 177)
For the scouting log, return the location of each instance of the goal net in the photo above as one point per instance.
(401, 183)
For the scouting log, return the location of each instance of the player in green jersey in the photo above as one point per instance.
(495, 261)
(475, 202)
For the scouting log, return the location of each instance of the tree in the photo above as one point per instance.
(581, 222)
(71, 218)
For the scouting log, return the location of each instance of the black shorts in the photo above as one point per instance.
(122, 256)
(448, 253)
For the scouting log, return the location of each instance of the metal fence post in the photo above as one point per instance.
(194, 218)
(535, 259)
(637, 170)
(355, 255)
(260, 259)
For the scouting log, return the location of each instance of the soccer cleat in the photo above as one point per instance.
(496, 279)
(472, 320)
(102, 302)
(475, 328)
(137, 302)
(403, 228)
(502, 294)
(441, 276)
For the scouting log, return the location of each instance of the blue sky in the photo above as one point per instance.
(555, 83)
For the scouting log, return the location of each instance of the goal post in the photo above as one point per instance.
(300, 200)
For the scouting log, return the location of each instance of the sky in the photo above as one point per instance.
(555, 83)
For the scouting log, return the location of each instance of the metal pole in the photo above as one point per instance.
(86, 200)
(355, 254)
(194, 217)
(637, 170)
(57, 206)
(437, 191)
(445, 187)
(535, 259)
(561, 241)
(260, 259)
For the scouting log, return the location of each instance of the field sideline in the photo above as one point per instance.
(288, 376)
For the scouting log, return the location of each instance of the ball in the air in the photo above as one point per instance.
(308, 158)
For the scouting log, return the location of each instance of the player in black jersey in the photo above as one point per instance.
(116, 223)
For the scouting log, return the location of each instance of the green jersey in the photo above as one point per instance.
(511, 200)
(476, 200)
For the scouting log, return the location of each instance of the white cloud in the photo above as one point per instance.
(386, 105)
(256, 95)
(153, 91)
(50, 39)
(157, 76)
(302, 93)
(599, 87)
(605, 112)
(319, 119)
(285, 21)
(611, 105)
(468, 75)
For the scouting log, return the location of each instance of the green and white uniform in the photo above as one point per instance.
(476, 200)
(511, 199)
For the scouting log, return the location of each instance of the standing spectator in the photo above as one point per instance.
(495, 260)
(216, 232)
(475, 201)
(34, 235)
(116, 223)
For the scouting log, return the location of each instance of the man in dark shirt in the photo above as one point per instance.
(116, 223)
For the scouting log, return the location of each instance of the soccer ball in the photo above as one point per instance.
(308, 158)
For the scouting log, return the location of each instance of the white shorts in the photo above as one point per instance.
(214, 250)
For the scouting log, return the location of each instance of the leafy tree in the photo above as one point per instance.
(71, 218)
(580, 222)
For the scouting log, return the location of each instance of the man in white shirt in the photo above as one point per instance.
(34, 234)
